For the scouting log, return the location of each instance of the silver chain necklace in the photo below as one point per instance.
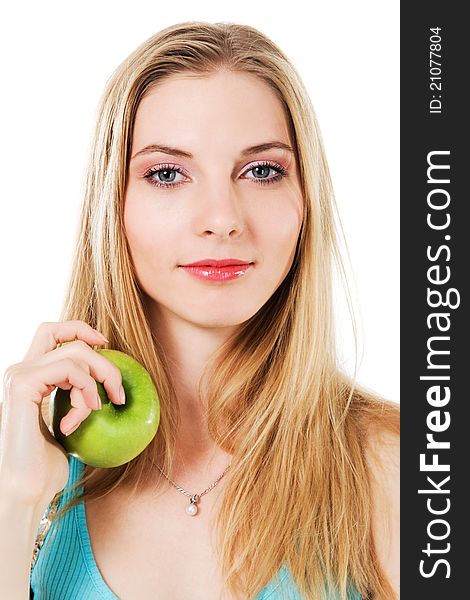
(191, 508)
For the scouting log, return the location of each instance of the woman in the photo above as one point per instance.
(206, 149)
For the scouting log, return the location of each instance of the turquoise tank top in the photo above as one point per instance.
(67, 570)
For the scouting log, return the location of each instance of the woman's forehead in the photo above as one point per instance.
(187, 110)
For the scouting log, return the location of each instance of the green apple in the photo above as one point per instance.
(115, 434)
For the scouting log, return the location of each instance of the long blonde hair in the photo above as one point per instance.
(298, 492)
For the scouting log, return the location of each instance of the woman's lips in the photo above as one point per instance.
(211, 273)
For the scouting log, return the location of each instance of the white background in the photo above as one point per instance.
(56, 58)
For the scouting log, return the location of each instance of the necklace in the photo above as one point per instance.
(191, 508)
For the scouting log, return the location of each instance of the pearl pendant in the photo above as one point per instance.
(191, 509)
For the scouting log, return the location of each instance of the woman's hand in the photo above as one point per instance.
(33, 465)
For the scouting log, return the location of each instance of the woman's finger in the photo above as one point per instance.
(78, 413)
(98, 366)
(49, 334)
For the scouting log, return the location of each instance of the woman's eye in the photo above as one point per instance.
(261, 173)
(164, 176)
(167, 175)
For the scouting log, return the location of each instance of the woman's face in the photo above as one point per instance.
(208, 196)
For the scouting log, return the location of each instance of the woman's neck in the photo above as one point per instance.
(188, 348)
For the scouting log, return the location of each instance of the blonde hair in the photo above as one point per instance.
(298, 492)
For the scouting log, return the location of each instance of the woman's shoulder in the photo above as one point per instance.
(378, 426)
(382, 454)
(382, 451)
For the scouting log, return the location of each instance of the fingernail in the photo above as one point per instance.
(102, 336)
(100, 405)
(122, 395)
(69, 431)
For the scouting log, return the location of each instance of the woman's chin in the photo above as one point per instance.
(217, 318)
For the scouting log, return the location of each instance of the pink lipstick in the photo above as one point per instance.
(211, 269)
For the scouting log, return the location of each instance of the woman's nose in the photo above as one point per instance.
(219, 211)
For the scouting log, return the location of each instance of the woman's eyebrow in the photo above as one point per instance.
(177, 152)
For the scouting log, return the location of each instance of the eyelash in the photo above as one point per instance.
(281, 172)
